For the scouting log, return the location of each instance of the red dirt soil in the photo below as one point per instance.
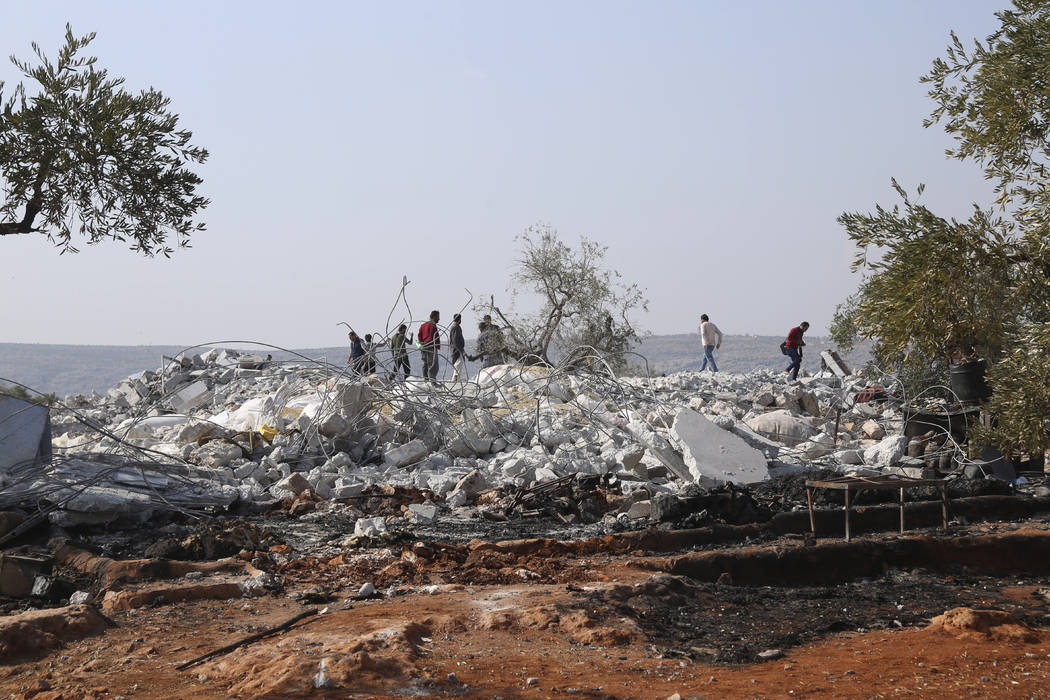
(553, 619)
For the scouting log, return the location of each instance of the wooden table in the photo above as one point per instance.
(853, 484)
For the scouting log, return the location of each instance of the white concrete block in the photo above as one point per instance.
(409, 453)
(422, 513)
(887, 452)
(190, 397)
(714, 454)
(369, 527)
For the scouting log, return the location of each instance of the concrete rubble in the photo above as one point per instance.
(222, 429)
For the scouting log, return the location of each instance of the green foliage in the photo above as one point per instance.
(995, 100)
(937, 290)
(1021, 400)
(20, 392)
(80, 154)
(583, 304)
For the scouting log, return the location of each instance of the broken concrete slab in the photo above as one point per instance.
(190, 397)
(412, 451)
(422, 513)
(714, 455)
(886, 453)
(659, 448)
(369, 527)
(782, 426)
(831, 360)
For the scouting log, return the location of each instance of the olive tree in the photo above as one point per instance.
(584, 306)
(81, 155)
(936, 289)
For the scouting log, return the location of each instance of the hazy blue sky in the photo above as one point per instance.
(710, 145)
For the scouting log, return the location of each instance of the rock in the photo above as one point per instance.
(723, 422)
(782, 426)
(873, 430)
(808, 403)
(912, 472)
(369, 527)
(532, 680)
(344, 489)
(770, 654)
(639, 509)
(366, 591)
(714, 455)
(190, 397)
(422, 513)
(409, 453)
(984, 626)
(333, 426)
(321, 678)
(660, 449)
(471, 484)
(849, 457)
(294, 484)
(887, 452)
(630, 457)
(194, 430)
(664, 507)
(813, 450)
(769, 448)
(764, 398)
(79, 597)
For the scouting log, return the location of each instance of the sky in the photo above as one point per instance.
(709, 145)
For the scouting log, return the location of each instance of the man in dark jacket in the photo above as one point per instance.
(357, 354)
(430, 342)
(458, 346)
(793, 348)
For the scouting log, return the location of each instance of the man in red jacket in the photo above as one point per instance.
(793, 348)
(430, 340)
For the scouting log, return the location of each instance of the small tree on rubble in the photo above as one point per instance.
(585, 307)
(80, 154)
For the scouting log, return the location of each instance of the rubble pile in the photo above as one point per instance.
(223, 429)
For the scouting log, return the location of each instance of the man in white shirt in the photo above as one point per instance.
(710, 338)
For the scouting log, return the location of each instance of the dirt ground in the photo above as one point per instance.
(548, 619)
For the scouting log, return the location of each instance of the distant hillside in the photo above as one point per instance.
(72, 369)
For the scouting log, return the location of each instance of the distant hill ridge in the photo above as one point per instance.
(81, 369)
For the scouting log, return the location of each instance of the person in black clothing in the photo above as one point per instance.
(357, 354)
(458, 345)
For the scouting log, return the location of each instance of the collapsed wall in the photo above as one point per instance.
(223, 428)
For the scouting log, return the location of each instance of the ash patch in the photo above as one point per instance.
(202, 540)
(726, 624)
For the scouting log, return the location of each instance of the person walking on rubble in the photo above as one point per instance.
(430, 344)
(357, 354)
(399, 351)
(710, 338)
(458, 347)
(792, 347)
(370, 355)
(489, 346)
